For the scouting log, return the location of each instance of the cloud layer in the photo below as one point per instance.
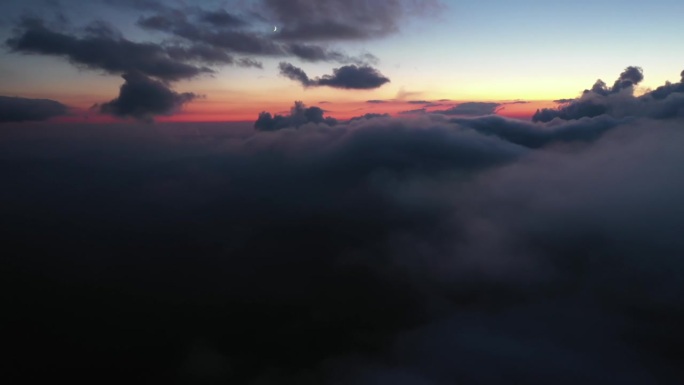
(102, 50)
(381, 251)
(14, 109)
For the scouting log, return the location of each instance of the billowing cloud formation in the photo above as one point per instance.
(299, 115)
(346, 77)
(142, 98)
(306, 20)
(14, 109)
(380, 251)
(102, 50)
(619, 101)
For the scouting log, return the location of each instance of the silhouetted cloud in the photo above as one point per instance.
(14, 109)
(563, 101)
(368, 116)
(143, 98)
(229, 34)
(341, 19)
(619, 101)
(471, 109)
(299, 115)
(346, 77)
(413, 112)
(103, 51)
(376, 101)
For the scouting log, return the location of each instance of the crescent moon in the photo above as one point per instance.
(275, 28)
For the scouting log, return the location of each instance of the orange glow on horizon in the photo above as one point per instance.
(200, 111)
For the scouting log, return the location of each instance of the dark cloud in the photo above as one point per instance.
(247, 62)
(354, 77)
(619, 101)
(143, 98)
(368, 116)
(221, 18)
(229, 34)
(563, 101)
(376, 101)
(534, 135)
(413, 112)
(379, 251)
(299, 115)
(630, 77)
(295, 73)
(346, 77)
(102, 51)
(14, 109)
(310, 20)
(144, 5)
(184, 25)
(471, 109)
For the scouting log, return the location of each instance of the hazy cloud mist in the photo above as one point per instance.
(380, 250)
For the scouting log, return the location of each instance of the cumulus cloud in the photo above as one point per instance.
(299, 115)
(143, 98)
(14, 109)
(618, 101)
(346, 77)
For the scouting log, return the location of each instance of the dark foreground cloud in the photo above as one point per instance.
(346, 77)
(14, 109)
(143, 98)
(379, 251)
(618, 101)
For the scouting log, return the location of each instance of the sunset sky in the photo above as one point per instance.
(493, 51)
(342, 192)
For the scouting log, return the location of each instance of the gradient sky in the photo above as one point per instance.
(488, 50)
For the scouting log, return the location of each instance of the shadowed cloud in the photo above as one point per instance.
(143, 98)
(346, 77)
(299, 115)
(471, 109)
(103, 51)
(377, 251)
(343, 19)
(14, 109)
(665, 102)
